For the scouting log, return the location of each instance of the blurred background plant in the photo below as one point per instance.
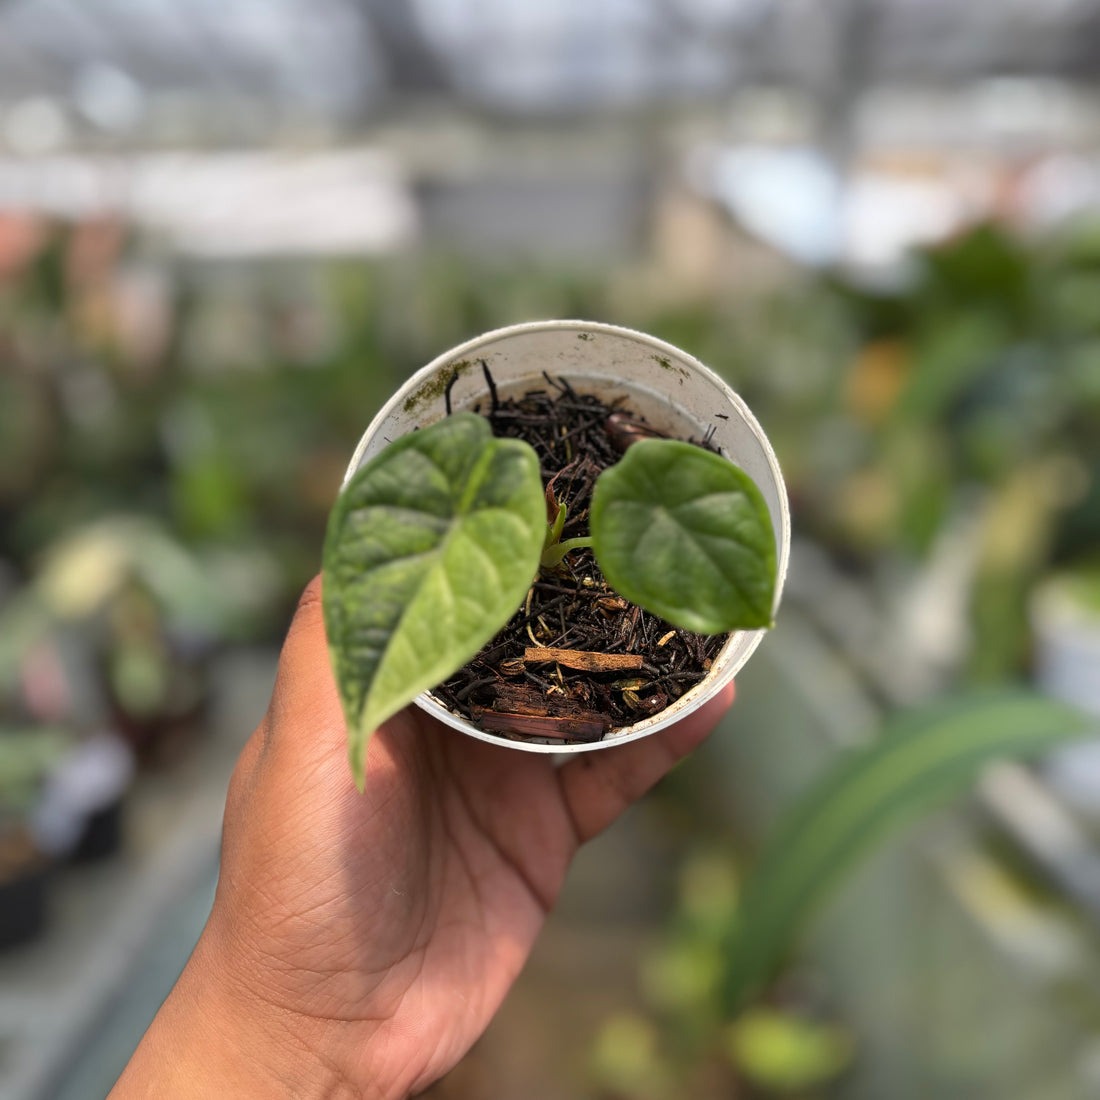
(226, 237)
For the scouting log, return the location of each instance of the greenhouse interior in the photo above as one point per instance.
(229, 232)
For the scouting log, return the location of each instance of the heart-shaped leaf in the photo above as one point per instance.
(686, 534)
(430, 549)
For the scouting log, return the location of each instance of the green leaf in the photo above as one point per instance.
(786, 1054)
(949, 359)
(26, 757)
(430, 549)
(553, 530)
(686, 534)
(627, 1059)
(922, 758)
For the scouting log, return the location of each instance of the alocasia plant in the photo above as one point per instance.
(433, 544)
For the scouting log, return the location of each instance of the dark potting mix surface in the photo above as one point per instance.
(577, 660)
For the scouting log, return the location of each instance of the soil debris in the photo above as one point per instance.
(555, 672)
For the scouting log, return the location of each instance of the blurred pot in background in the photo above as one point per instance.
(1065, 617)
(26, 757)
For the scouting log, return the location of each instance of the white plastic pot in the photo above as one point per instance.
(676, 395)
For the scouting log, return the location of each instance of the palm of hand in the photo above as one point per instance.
(389, 926)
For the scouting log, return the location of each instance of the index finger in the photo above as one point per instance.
(598, 787)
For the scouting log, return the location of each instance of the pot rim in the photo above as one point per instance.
(718, 677)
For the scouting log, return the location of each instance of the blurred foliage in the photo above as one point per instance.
(718, 998)
(687, 1043)
(223, 400)
(26, 757)
(976, 393)
(786, 1054)
(1084, 588)
(920, 759)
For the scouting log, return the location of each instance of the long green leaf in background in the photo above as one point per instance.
(923, 757)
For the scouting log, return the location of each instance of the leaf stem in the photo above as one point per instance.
(552, 555)
(553, 530)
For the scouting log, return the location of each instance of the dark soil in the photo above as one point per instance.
(512, 690)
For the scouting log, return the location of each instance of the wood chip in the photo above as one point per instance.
(521, 710)
(530, 725)
(583, 659)
(533, 700)
(667, 638)
(651, 704)
(612, 603)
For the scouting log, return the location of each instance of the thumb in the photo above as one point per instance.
(305, 694)
(305, 732)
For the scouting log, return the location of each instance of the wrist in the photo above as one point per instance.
(210, 1039)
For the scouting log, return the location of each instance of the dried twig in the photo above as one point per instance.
(585, 660)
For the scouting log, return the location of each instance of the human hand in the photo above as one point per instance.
(359, 944)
